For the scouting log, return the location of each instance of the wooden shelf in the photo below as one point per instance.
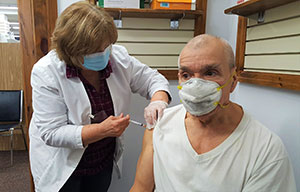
(254, 6)
(154, 13)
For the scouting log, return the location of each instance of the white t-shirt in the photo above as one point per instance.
(251, 159)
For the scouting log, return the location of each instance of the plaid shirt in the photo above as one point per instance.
(98, 155)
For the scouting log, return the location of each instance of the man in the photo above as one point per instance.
(209, 143)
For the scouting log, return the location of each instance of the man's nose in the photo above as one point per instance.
(197, 75)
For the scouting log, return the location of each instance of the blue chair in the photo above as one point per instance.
(11, 108)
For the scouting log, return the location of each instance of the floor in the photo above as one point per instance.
(14, 178)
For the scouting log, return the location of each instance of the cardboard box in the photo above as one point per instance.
(174, 4)
(122, 3)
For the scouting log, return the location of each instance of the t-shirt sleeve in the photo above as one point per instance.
(276, 176)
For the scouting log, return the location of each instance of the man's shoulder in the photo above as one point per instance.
(264, 141)
(171, 117)
(174, 110)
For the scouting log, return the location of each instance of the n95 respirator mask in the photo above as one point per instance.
(199, 96)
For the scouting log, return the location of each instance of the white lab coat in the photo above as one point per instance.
(61, 107)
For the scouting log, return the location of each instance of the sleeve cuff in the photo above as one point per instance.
(78, 137)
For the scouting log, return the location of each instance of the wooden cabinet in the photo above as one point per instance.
(147, 35)
(267, 49)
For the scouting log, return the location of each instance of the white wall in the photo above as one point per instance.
(278, 109)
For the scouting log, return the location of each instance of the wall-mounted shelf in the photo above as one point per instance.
(198, 15)
(253, 6)
(151, 13)
(278, 79)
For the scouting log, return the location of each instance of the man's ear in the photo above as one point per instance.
(234, 80)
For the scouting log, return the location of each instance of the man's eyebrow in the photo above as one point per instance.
(210, 67)
(185, 69)
(203, 69)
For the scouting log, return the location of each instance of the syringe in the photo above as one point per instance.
(137, 123)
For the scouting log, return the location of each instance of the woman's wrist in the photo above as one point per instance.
(92, 133)
(161, 95)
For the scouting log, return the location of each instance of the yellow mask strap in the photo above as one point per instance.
(221, 87)
(222, 106)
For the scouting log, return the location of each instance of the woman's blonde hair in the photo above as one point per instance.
(82, 29)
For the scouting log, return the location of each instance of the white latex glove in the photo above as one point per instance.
(153, 111)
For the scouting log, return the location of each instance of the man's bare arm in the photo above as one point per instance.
(144, 178)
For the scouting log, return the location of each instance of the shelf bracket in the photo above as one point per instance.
(175, 23)
(261, 17)
(118, 22)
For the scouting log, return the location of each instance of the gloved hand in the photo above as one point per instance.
(154, 111)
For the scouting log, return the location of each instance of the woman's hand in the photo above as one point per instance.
(113, 126)
(156, 107)
(154, 111)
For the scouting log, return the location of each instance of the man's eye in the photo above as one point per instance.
(186, 76)
(210, 73)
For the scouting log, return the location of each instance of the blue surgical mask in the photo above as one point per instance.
(97, 61)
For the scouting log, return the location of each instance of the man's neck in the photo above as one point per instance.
(219, 118)
(207, 132)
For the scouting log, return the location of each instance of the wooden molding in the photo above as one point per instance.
(153, 13)
(37, 20)
(253, 6)
(270, 79)
(200, 21)
(241, 44)
(260, 78)
(169, 74)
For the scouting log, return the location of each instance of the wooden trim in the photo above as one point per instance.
(153, 13)
(151, 29)
(271, 79)
(241, 44)
(260, 78)
(253, 6)
(169, 74)
(52, 15)
(28, 58)
(200, 21)
(37, 20)
(27, 51)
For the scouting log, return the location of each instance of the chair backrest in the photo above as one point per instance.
(11, 105)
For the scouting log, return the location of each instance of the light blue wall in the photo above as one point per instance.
(278, 109)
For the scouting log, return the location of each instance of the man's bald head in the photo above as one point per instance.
(204, 40)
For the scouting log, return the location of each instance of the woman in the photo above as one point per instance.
(80, 90)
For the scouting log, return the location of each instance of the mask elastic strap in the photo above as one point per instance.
(221, 87)
(222, 106)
